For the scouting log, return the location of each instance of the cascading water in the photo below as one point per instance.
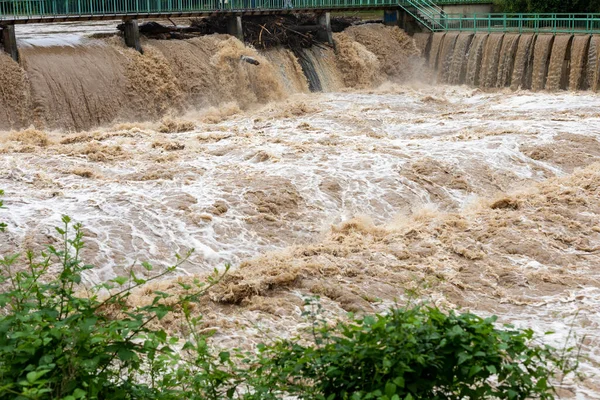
(458, 65)
(579, 56)
(474, 58)
(506, 61)
(541, 57)
(518, 61)
(558, 73)
(490, 60)
(445, 56)
(522, 70)
(593, 68)
(436, 45)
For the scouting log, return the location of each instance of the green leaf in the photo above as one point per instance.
(224, 356)
(390, 389)
(161, 311)
(147, 266)
(120, 280)
(399, 381)
(474, 370)
(125, 354)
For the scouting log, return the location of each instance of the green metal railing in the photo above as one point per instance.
(16, 10)
(48, 9)
(425, 11)
(523, 23)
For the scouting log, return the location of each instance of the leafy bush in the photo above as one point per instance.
(55, 344)
(415, 353)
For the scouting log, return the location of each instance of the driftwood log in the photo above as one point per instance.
(292, 31)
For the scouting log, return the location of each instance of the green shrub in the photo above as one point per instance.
(415, 353)
(55, 344)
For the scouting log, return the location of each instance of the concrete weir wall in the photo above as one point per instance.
(519, 61)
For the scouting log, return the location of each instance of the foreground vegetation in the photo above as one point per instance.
(548, 6)
(58, 342)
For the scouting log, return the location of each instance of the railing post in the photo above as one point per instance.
(489, 23)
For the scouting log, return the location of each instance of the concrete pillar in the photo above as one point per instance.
(234, 27)
(408, 23)
(9, 41)
(324, 34)
(390, 17)
(132, 35)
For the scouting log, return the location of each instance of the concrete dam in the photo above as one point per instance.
(519, 61)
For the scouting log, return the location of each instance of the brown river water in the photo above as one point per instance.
(384, 184)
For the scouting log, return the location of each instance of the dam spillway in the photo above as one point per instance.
(519, 61)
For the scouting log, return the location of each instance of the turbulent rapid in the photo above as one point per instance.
(381, 187)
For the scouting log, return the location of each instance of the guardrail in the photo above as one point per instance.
(23, 9)
(48, 9)
(524, 23)
(41, 10)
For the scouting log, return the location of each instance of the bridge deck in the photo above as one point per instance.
(29, 11)
(48, 11)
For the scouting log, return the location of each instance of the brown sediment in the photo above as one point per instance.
(463, 256)
(152, 89)
(593, 66)
(173, 125)
(395, 50)
(541, 58)
(474, 59)
(490, 60)
(506, 61)
(522, 72)
(558, 74)
(30, 137)
(569, 151)
(15, 102)
(579, 57)
(358, 66)
(458, 66)
(445, 57)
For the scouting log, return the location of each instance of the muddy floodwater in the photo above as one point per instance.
(366, 194)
